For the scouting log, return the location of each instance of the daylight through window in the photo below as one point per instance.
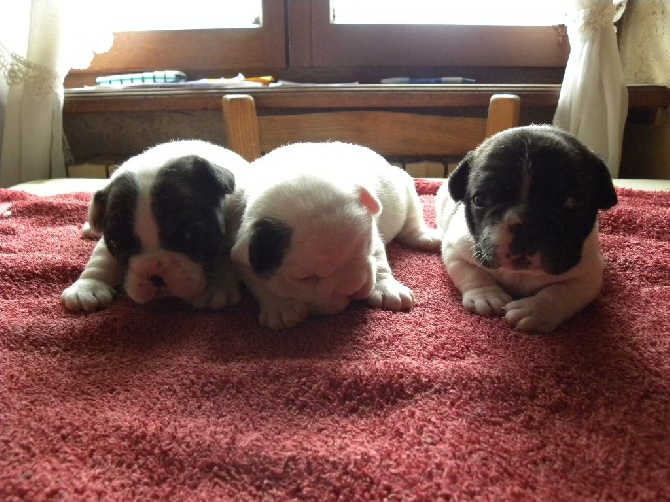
(150, 15)
(470, 12)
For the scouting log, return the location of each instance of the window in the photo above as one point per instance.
(192, 15)
(427, 45)
(200, 53)
(470, 12)
(325, 41)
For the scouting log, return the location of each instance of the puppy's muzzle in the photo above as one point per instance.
(523, 252)
(524, 240)
(158, 282)
(157, 274)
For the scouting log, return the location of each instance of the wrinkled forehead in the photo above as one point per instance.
(181, 181)
(523, 160)
(322, 250)
(169, 185)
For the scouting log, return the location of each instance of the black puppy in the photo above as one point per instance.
(162, 220)
(519, 216)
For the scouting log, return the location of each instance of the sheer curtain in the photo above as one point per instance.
(593, 103)
(40, 40)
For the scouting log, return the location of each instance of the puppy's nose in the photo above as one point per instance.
(525, 240)
(157, 281)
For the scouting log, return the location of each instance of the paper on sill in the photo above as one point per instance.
(205, 83)
(288, 83)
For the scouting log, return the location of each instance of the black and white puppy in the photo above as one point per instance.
(519, 216)
(162, 218)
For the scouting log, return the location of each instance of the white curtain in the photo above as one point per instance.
(593, 103)
(40, 40)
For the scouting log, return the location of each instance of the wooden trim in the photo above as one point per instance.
(425, 137)
(299, 33)
(249, 132)
(651, 97)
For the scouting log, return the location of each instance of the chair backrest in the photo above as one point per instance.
(389, 133)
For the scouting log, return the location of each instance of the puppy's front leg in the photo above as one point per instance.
(276, 312)
(387, 293)
(94, 289)
(552, 305)
(415, 233)
(223, 289)
(481, 294)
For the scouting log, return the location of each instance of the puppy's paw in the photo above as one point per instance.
(88, 295)
(531, 314)
(486, 301)
(218, 297)
(426, 238)
(89, 233)
(430, 239)
(282, 314)
(390, 294)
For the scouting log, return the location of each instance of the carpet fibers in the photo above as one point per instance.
(161, 402)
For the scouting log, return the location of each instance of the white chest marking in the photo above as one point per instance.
(146, 228)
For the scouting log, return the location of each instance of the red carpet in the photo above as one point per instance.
(160, 402)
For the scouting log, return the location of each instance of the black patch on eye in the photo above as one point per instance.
(186, 200)
(269, 242)
(118, 221)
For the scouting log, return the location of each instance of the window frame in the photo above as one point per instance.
(351, 45)
(205, 53)
(298, 42)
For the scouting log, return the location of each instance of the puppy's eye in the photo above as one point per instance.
(193, 233)
(112, 245)
(575, 202)
(480, 200)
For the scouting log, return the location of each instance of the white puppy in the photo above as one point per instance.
(314, 225)
(163, 224)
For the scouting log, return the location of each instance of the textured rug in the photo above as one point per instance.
(158, 401)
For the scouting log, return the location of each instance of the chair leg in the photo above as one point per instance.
(240, 125)
(504, 110)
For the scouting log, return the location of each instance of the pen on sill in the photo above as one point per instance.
(433, 80)
(265, 79)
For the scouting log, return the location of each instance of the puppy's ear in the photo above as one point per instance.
(97, 209)
(604, 188)
(212, 176)
(458, 180)
(369, 201)
(225, 179)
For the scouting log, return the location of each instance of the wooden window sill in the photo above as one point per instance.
(646, 102)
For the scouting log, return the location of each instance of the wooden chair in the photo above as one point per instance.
(393, 133)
